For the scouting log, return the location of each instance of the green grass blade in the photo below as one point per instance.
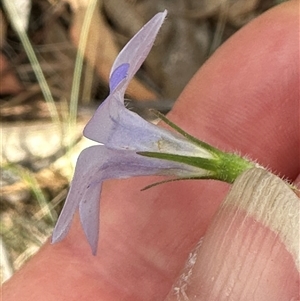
(14, 18)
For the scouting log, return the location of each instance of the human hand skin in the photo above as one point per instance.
(242, 247)
(246, 98)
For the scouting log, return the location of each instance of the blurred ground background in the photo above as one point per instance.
(41, 123)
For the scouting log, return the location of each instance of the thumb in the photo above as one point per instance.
(251, 249)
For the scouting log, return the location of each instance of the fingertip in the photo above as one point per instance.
(251, 249)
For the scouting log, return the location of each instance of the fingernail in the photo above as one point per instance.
(251, 249)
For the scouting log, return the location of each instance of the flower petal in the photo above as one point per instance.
(89, 214)
(96, 164)
(137, 49)
(79, 186)
(118, 75)
(125, 130)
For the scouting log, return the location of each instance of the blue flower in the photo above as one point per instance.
(131, 146)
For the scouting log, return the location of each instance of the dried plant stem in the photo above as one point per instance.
(79, 62)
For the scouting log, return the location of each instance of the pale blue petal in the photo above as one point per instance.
(118, 128)
(125, 66)
(96, 164)
(137, 49)
(79, 185)
(118, 75)
(89, 214)
(124, 129)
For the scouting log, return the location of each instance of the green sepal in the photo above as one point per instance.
(226, 167)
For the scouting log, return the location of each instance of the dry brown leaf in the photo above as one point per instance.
(9, 83)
